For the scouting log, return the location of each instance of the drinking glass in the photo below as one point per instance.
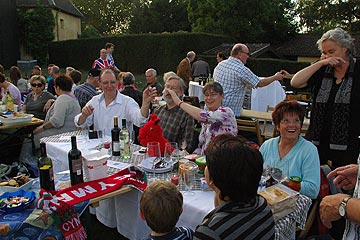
(153, 152)
(279, 169)
(188, 171)
(171, 153)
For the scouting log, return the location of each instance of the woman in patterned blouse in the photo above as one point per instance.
(215, 119)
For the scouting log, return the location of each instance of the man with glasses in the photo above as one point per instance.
(87, 90)
(234, 76)
(177, 125)
(101, 109)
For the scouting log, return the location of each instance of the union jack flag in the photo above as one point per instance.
(100, 64)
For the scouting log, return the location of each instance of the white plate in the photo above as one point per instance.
(147, 164)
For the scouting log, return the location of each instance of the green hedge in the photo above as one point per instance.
(136, 52)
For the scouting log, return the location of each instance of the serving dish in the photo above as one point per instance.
(26, 186)
(13, 119)
(12, 202)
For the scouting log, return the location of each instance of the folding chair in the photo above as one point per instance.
(250, 126)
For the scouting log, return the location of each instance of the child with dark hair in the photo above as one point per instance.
(233, 171)
(161, 206)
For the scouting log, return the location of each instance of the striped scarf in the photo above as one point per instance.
(340, 117)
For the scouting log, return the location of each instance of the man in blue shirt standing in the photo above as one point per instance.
(233, 75)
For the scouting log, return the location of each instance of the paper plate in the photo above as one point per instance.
(21, 193)
(147, 164)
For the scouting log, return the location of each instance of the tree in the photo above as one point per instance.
(108, 17)
(36, 31)
(246, 20)
(324, 15)
(160, 16)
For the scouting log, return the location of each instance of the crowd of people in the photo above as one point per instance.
(332, 137)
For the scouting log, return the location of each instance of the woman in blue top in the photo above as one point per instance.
(290, 152)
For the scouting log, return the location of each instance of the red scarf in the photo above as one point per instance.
(59, 203)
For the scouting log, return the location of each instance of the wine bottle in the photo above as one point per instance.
(75, 163)
(115, 143)
(46, 170)
(9, 102)
(124, 141)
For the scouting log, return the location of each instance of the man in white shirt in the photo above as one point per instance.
(101, 109)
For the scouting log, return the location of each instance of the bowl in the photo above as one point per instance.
(13, 119)
(18, 205)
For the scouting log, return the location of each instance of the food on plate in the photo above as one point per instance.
(14, 201)
(16, 181)
(18, 114)
(274, 195)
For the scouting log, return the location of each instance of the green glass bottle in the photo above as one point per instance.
(124, 141)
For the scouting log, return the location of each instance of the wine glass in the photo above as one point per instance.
(153, 154)
(279, 170)
(188, 171)
(171, 153)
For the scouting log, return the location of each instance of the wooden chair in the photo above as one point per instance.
(250, 126)
(265, 132)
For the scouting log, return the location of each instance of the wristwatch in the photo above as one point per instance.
(342, 206)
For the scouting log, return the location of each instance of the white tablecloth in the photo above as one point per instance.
(270, 95)
(122, 211)
(196, 90)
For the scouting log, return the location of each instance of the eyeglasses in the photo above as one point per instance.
(36, 84)
(288, 122)
(247, 53)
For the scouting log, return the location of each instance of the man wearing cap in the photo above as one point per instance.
(87, 90)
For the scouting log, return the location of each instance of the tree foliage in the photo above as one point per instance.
(90, 32)
(246, 20)
(160, 16)
(108, 17)
(324, 15)
(36, 31)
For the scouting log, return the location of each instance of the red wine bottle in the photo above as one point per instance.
(46, 172)
(115, 141)
(75, 163)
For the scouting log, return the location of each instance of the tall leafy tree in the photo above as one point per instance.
(108, 17)
(323, 14)
(36, 31)
(246, 20)
(158, 16)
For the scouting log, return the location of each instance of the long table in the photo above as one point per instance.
(19, 131)
(121, 209)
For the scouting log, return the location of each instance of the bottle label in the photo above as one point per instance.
(122, 144)
(77, 166)
(116, 147)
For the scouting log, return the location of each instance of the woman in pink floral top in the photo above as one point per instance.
(214, 121)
